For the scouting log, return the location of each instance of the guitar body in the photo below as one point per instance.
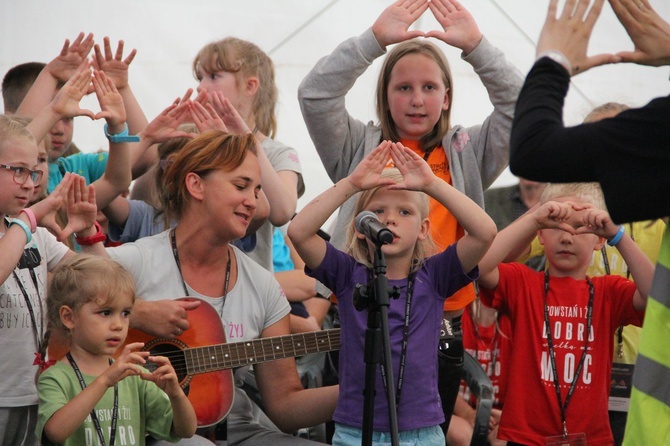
(211, 393)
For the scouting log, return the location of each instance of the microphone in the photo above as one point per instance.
(369, 225)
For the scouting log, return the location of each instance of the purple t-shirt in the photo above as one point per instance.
(439, 277)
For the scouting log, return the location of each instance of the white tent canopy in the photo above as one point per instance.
(296, 33)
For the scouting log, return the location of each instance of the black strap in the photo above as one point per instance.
(552, 354)
(94, 417)
(405, 338)
(39, 336)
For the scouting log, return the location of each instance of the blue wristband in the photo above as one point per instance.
(617, 237)
(121, 137)
(26, 229)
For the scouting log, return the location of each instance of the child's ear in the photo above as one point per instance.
(67, 316)
(539, 237)
(425, 229)
(251, 85)
(599, 244)
(445, 102)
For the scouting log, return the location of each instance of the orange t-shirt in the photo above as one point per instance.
(444, 228)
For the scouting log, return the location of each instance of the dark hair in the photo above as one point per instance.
(17, 82)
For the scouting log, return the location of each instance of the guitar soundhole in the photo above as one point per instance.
(173, 350)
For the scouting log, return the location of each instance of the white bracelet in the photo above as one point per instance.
(558, 57)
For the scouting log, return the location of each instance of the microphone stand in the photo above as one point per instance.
(376, 338)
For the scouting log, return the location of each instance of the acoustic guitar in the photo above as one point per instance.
(203, 360)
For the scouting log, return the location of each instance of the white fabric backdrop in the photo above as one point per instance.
(296, 33)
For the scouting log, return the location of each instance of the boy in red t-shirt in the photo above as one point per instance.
(558, 384)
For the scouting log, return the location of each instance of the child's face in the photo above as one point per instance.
(568, 255)
(16, 152)
(61, 138)
(223, 81)
(100, 327)
(43, 165)
(399, 211)
(417, 95)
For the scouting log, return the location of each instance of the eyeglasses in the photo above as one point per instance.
(21, 174)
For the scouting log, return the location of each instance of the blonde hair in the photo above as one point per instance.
(388, 126)
(244, 59)
(358, 248)
(84, 278)
(208, 152)
(584, 192)
(12, 130)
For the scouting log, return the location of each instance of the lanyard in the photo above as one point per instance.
(175, 253)
(94, 417)
(39, 336)
(552, 354)
(405, 337)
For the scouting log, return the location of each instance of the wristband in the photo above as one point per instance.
(31, 218)
(557, 57)
(121, 137)
(26, 229)
(93, 239)
(617, 237)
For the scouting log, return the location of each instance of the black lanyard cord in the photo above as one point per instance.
(94, 417)
(589, 316)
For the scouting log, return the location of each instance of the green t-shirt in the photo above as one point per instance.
(143, 408)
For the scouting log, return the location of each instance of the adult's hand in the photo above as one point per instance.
(649, 32)
(163, 318)
(569, 33)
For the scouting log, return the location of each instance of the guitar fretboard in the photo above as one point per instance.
(228, 356)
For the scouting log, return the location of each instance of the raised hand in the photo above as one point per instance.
(570, 33)
(392, 26)
(228, 113)
(66, 102)
(165, 126)
(416, 172)
(45, 210)
(72, 57)
(126, 364)
(649, 32)
(205, 117)
(368, 172)
(81, 208)
(560, 215)
(111, 103)
(164, 376)
(460, 28)
(114, 66)
(598, 222)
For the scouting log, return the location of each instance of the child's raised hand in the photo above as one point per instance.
(392, 26)
(81, 207)
(598, 222)
(165, 126)
(164, 376)
(45, 210)
(553, 214)
(66, 102)
(229, 114)
(460, 28)
(72, 57)
(416, 172)
(205, 117)
(112, 108)
(126, 364)
(368, 172)
(114, 66)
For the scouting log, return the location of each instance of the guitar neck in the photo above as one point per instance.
(227, 356)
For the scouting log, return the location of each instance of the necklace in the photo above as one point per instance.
(175, 253)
